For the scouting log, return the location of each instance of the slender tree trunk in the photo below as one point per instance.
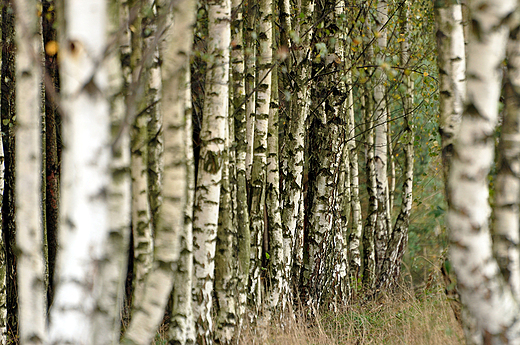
(174, 50)
(293, 153)
(381, 155)
(507, 186)
(250, 35)
(107, 321)
(369, 257)
(141, 217)
(325, 242)
(84, 227)
(225, 260)
(258, 172)
(153, 93)
(207, 193)
(29, 234)
(239, 109)
(452, 75)
(182, 323)
(481, 284)
(8, 129)
(391, 266)
(278, 292)
(356, 232)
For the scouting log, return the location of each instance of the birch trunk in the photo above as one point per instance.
(258, 172)
(507, 188)
(84, 223)
(239, 109)
(278, 291)
(381, 155)
(182, 323)
(369, 255)
(155, 132)
(325, 267)
(481, 285)
(174, 50)
(225, 260)
(107, 323)
(141, 215)
(207, 194)
(250, 37)
(357, 220)
(293, 154)
(451, 60)
(391, 266)
(29, 230)
(452, 74)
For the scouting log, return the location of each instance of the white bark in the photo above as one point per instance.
(250, 80)
(174, 50)
(383, 228)
(507, 186)
(86, 156)
(278, 293)
(482, 287)
(141, 214)
(258, 172)
(239, 109)
(113, 272)
(29, 230)
(182, 324)
(207, 194)
(293, 154)
(225, 268)
(452, 73)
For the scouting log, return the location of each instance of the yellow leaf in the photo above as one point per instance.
(51, 48)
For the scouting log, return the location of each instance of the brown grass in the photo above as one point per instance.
(411, 318)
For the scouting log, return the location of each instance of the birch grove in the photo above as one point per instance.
(196, 173)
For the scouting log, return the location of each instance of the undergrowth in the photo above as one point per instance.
(408, 317)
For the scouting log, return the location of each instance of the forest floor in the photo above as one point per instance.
(416, 317)
(413, 316)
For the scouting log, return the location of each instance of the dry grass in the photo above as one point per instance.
(404, 318)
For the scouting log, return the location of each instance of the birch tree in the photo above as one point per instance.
(174, 50)
(84, 223)
(383, 228)
(452, 74)
(29, 233)
(507, 188)
(141, 214)
(182, 323)
(207, 193)
(258, 172)
(356, 233)
(278, 298)
(293, 154)
(481, 284)
(107, 321)
(398, 239)
(239, 109)
(225, 262)
(369, 257)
